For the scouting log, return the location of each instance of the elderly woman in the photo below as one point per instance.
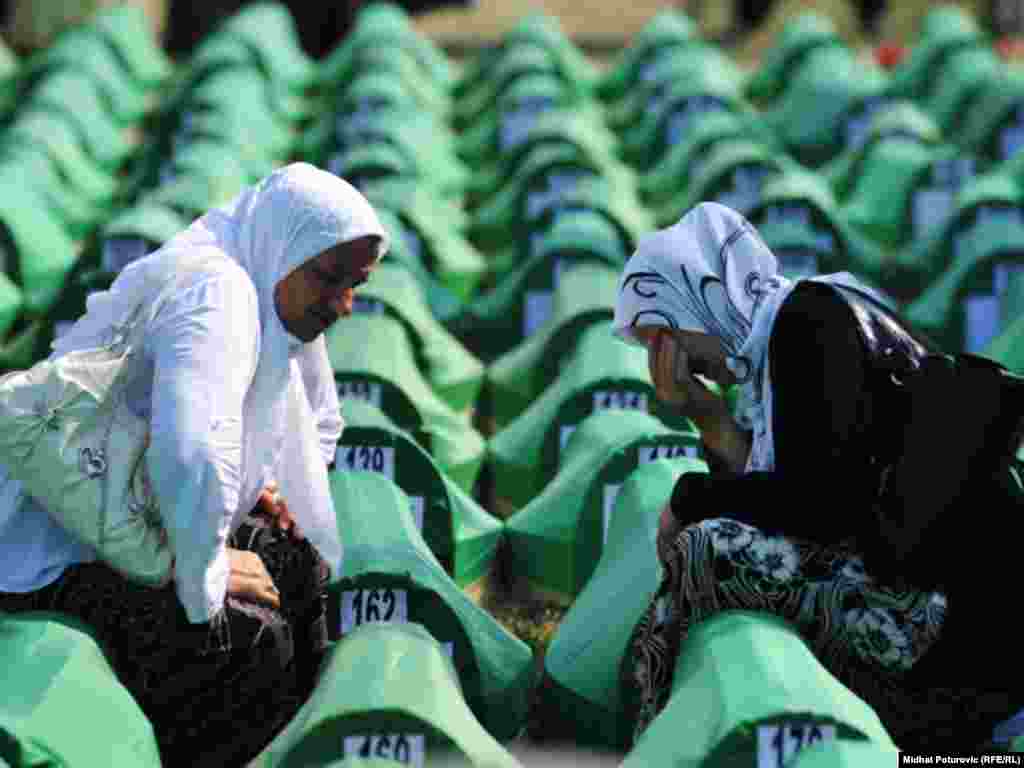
(242, 405)
(785, 521)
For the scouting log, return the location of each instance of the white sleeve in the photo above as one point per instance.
(204, 345)
(322, 393)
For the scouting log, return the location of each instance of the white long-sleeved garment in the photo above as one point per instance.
(199, 357)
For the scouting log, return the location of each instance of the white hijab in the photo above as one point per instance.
(712, 273)
(270, 229)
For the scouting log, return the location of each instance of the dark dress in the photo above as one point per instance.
(215, 695)
(808, 527)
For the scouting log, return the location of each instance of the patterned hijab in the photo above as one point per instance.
(712, 273)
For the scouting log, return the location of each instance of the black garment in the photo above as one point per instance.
(216, 696)
(828, 418)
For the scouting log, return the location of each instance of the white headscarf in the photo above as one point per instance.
(270, 229)
(712, 273)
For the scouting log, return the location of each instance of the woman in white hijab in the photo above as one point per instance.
(784, 522)
(244, 421)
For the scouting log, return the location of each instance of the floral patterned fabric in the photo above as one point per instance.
(865, 633)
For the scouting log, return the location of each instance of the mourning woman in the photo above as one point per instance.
(785, 521)
(244, 419)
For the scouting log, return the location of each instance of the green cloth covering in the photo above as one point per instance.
(580, 698)
(76, 215)
(243, 136)
(813, 114)
(54, 133)
(386, 25)
(123, 96)
(373, 356)
(444, 305)
(269, 29)
(515, 308)
(386, 679)
(76, 97)
(667, 29)
(920, 263)
(406, 196)
(63, 706)
(797, 210)
(208, 159)
(127, 29)
(801, 35)
(1008, 347)
(737, 671)
(43, 251)
(585, 295)
(944, 30)
(384, 550)
(11, 304)
(462, 535)
(369, 162)
(846, 754)
(193, 194)
(527, 453)
(556, 540)
(514, 63)
(982, 242)
(996, 109)
(966, 72)
(397, 62)
(712, 168)
(148, 219)
(454, 373)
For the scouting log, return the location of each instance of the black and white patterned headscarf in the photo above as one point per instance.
(712, 273)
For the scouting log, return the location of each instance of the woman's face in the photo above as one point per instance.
(313, 296)
(703, 351)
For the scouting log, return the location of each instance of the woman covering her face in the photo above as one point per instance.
(784, 521)
(244, 416)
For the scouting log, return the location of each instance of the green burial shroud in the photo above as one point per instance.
(737, 672)
(995, 111)
(501, 319)
(941, 311)
(384, 551)
(269, 29)
(966, 73)
(1008, 347)
(515, 63)
(444, 304)
(63, 706)
(919, 265)
(717, 175)
(462, 535)
(580, 698)
(826, 233)
(398, 62)
(944, 30)
(127, 29)
(526, 453)
(556, 540)
(32, 165)
(585, 295)
(373, 358)
(792, 49)
(11, 304)
(409, 198)
(40, 252)
(668, 28)
(846, 754)
(455, 374)
(382, 682)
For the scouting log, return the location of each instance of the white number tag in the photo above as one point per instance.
(611, 493)
(404, 748)
(564, 434)
(416, 504)
(537, 307)
(360, 390)
(119, 252)
(371, 458)
(931, 208)
(649, 453)
(777, 744)
(615, 399)
(449, 650)
(362, 606)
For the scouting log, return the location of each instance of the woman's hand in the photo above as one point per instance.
(249, 579)
(668, 531)
(674, 383)
(272, 505)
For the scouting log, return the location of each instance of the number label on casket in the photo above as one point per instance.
(362, 606)
(404, 748)
(360, 390)
(416, 505)
(778, 744)
(608, 399)
(649, 453)
(369, 458)
(537, 308)
(611, 494)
